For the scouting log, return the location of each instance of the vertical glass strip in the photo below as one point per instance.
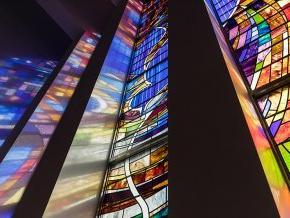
(20, 81)
(137, 186)
(144, 112)
(79, 183)
(21, 160)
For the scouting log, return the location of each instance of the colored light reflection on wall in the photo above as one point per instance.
(79, 184)
(268, 160)
(21, 160)
(20, 81)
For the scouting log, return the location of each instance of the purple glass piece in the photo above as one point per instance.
(249, 66)
(274, 127)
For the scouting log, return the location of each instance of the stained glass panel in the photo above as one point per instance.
(144, 112)
(258, 34)
(275, 108)
(136, 183)
(225, 8)
(137, 187)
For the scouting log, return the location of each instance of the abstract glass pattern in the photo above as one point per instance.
(138, 186)
(275, 108)
(79, 184)
(20, 81)
(136, 183)
(225, 8)
(144, 112)
(24, 155)
(258, 33)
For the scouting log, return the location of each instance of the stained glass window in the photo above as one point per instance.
(256, 33)
(144, 112)
(20, 81)
(136, 183)
(21, 160)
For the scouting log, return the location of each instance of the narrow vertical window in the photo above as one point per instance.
(136, 183)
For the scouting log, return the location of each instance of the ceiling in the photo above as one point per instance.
(76, 16)
(27, 31)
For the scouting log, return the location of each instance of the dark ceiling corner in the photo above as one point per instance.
(62, 17)
(80, 15)
(27, 31)
(115, 2)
